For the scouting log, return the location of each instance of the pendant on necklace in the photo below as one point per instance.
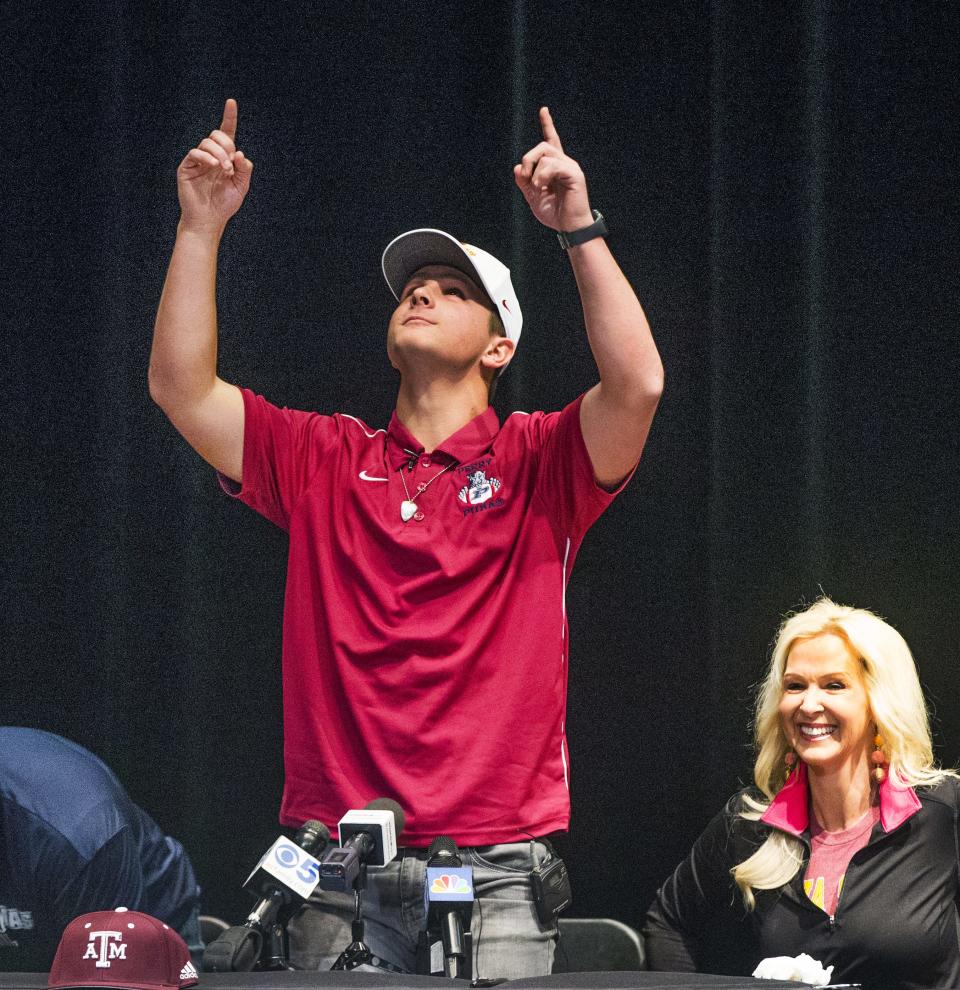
(408, 510)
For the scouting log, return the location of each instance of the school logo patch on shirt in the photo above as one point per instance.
(479, 489)
(14, 920)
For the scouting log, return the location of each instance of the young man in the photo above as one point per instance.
(425, 646)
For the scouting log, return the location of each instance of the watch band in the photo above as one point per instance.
(570, 238)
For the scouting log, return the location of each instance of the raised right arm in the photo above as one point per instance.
(212, 181)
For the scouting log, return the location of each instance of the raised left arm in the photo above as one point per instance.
(616, 413)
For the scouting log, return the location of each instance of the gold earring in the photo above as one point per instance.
(878, 759)
(790, 760)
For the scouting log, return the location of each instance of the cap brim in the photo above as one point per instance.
(405, 255)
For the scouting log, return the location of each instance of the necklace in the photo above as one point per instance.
(408, 507)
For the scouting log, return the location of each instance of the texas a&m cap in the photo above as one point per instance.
(125, 949)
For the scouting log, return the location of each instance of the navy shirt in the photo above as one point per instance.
(72, 841)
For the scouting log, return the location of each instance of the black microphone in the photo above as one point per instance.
(443, 851)
(313, 836)
(367, 838)
(449, 899)
(284, 876)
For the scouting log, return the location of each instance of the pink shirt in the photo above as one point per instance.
(830, 855)
(425, 661)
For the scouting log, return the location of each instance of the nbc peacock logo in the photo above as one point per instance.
(446, 884)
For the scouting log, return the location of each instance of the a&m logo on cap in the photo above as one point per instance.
(104, 946)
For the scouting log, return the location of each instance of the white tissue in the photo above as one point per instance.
(802, 969)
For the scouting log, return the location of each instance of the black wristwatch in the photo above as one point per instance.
(570, 238)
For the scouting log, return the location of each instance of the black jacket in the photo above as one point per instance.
(896, 924)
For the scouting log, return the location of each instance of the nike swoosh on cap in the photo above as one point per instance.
(367, 477)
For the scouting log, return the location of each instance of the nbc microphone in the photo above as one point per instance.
(367, 838)
(286, 875)
(449, 900)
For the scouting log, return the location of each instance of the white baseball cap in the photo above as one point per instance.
(408, 253)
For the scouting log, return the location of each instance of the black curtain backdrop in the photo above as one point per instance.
(781, 185)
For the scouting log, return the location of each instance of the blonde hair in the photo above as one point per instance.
(896, 703)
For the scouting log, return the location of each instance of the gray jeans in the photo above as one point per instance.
(508, 940)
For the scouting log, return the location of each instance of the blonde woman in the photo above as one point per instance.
(848, 849)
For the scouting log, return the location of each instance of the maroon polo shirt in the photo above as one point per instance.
(425, 661)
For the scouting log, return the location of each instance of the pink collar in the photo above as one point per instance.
(790, 809)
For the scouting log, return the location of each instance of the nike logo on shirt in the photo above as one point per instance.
(367, 477)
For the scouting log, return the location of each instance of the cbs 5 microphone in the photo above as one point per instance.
(287, 874)
(449, 897)
(367, 838)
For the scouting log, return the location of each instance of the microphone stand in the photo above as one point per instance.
(276, 933)
(238, 949)
(358, 953)
(277, 960)
(456, 948)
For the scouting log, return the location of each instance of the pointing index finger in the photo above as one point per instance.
(550, 134)
(229, 123)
